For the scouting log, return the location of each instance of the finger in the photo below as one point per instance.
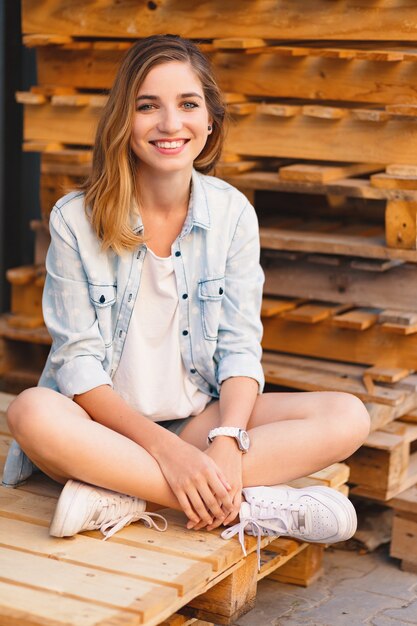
(211, 502)
(237, 501)
(187, 508)
(224, 497)
(199, 507)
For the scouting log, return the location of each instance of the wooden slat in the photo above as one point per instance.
(325, 341)
(274, 306)
(311, 313)
(322, 173)
(332, 243)
(321, 139)
(300, 278)
(267, 19)
(358, 319)
(281, 371)
(89, 584)
(350, 187)
(20, 606)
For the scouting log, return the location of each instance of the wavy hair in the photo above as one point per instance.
(111, 185)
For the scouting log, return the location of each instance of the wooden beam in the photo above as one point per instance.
(325, 341)
(266, 19)
(305, 137)
(301, 279)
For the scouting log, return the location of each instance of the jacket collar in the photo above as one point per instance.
(198, 209)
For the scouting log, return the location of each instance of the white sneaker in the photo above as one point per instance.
(314, 514)
(83, 507)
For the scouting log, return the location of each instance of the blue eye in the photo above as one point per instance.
(144, 107)
(190, 105)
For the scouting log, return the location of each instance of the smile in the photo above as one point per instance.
(170, 145)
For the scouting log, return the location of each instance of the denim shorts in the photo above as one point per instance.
(178, 425)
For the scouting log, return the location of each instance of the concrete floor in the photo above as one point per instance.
(355, 589)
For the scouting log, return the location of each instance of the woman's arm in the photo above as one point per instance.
(199, 485)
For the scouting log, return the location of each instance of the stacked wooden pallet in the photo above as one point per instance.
(323, 141)
(140, 576)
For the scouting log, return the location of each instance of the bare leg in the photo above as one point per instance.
(64, 442)
(292, 434)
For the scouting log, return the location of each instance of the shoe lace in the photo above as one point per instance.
(263, 520)
(116, 512)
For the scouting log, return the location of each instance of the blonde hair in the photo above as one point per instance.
(111, 188)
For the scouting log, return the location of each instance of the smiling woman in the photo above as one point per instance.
(152, 393)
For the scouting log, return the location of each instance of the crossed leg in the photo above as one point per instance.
(292, 434)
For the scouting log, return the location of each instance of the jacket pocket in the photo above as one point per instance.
(102, 298)
(210, 294)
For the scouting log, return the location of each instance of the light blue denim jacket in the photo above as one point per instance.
(89, 297)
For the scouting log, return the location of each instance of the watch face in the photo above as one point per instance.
(244, 439)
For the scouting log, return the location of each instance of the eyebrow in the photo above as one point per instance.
(191, 94)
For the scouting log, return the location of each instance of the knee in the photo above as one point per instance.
(25, 410)
(353, 422)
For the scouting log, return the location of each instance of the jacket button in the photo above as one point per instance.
(184, 296)
(178, 253)
(185, 332)
(192, 370)
(220, 291)
(102, 299)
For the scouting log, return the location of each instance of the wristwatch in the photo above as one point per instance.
(240, 435)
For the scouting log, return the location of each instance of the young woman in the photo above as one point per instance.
(152, 393)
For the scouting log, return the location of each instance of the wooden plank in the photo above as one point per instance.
(299, 278)
(305, 568)
(328, 342)
(395, 169)
(238, 43)
(95, 67)
(399, 329)
(401, 224)
(349, 188)
(277, 554)
(396, 316)
(32, 607)
(332, 243)
(324, 112)
(404, 538)
(274, 306)
(311, 313)
(358, 319)
(387, 375)
(406, 501)
(280, 371)
(25, 569)
(388, 181)
(322, 173)
(318, 139)
(269, 19)
(278, 109)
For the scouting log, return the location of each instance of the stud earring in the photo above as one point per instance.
(209, 127)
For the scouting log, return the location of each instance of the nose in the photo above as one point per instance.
(170, 120)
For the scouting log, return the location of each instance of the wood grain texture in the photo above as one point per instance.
(269, 19)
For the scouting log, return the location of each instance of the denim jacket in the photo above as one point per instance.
(89, 297)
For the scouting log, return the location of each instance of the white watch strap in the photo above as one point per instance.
(229, 431)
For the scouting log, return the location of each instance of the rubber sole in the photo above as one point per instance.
(348, 508)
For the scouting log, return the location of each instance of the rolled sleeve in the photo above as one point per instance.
(238, 351)
(78, 349)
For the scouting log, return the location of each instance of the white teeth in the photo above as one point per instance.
(169, 144)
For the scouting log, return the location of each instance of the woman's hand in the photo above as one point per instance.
(228, 458)
(198, 483)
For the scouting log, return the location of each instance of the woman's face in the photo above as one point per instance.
(170, 124)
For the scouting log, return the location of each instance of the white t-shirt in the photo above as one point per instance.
(151, 376)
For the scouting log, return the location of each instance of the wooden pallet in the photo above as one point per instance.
(404, 529)
(290, 20)
(92, 65)
(341, 333)
(388, 394)
(139, 576)
(386, 464)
